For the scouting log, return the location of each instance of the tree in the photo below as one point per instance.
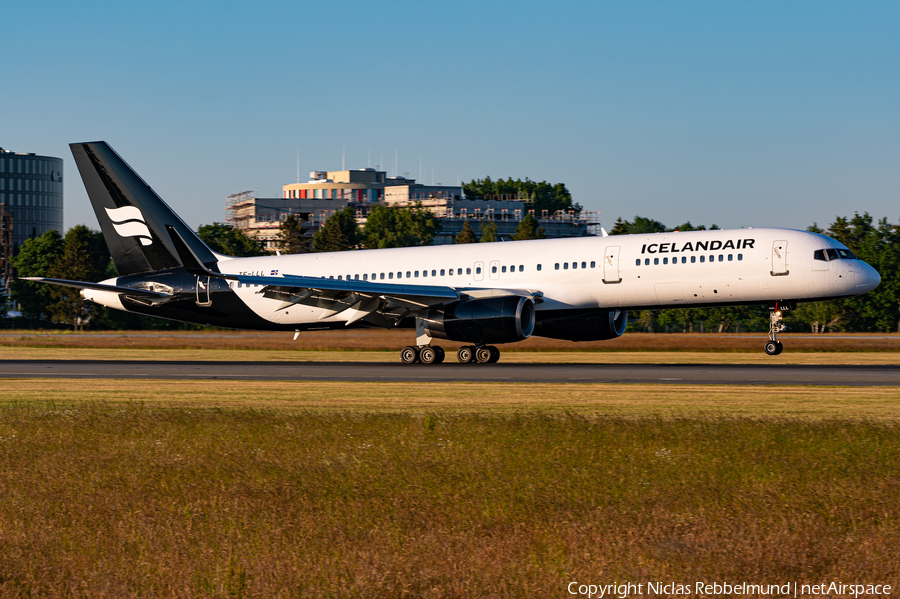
(638, 225)
(389, 227)
(488, 232)
(467, 235)
(529, 228)
(292, 238)
(339, 233)
(227, 240)
(689, 227)
(542, 195)
(84, 257)
(620, 228)
(36, 258)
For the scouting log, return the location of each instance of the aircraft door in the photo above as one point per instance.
(611, 265)
(479, 271)
(779, 258)
(495, 270)
(203, 298)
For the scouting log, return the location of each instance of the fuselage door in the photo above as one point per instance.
(479, 271)
(611, 265)
(779, 258)
(203, 298)
(495, 270)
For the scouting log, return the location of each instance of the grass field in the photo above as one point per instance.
(393, 340)
(109, 498)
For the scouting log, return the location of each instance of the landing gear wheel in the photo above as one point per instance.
(427, 355)
(495, 355)
(409, 355)
(484, 354)
(438, 354)
(773, 348)
(465, 354)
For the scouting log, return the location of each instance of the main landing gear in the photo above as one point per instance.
(434, 354)
(773, 345)
(483, 354)
(424, 354)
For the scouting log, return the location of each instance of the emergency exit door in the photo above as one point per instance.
(779, 258)
(611, 265)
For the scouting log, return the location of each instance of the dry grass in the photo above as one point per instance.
(115, 500)
(392, 340)
(874, 403)
(542, 357)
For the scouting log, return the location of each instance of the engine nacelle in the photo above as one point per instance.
(494, 320)
(582, 325)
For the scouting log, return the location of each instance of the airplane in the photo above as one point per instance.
(576, 289)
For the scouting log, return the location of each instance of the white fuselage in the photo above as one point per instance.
(660, 270)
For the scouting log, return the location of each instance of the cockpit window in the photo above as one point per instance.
(833, 254)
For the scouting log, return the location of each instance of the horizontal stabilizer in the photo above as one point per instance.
(129, 291)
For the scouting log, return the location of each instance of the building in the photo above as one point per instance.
(31, 203)
(31, 189)
(329, 191)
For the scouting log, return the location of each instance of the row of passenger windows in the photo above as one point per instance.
(412, 274)
(684, 259)
(565, 265)
(833, 254)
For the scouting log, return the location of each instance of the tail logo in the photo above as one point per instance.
(129, 222)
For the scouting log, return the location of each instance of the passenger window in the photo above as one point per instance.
(331, 277)
(832, 254)
(503, 269)
(424, 273)
(417, 274)
(339, 278)
(442, 272)
(646, 261)
(584, 265)
(407, 275)
(382, 276)
(539, 267)
(468, 270)
(637, 262)
(557, 266)
(433, 273)
(740, 257)
(565, 266)
(693, 259)
(365, 277)
(390, 275)
(665, 260)
(521, 268)
(721, 258)
(712, 258)
(459, 271)
(702, 259)
(655, 261)
(594, 264)
(494, 269)
(574, 265)
(684, 259)
(730, 257)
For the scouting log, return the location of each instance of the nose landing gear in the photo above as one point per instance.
(773, 346)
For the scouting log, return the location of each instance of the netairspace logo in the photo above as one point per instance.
(704, 589)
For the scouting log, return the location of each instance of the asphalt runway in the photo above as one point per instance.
(682, 374)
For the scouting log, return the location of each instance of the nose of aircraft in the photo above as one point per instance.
(869, 278)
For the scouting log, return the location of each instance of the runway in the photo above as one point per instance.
(681, 374)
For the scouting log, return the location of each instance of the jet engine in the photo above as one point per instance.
(582, 325)
(494, 320)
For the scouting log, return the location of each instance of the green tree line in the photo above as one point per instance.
(82, 255)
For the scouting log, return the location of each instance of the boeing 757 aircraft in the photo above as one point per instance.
(577, 289)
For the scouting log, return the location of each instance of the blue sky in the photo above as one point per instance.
(740, 114)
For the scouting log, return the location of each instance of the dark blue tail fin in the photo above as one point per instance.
(132, 217)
